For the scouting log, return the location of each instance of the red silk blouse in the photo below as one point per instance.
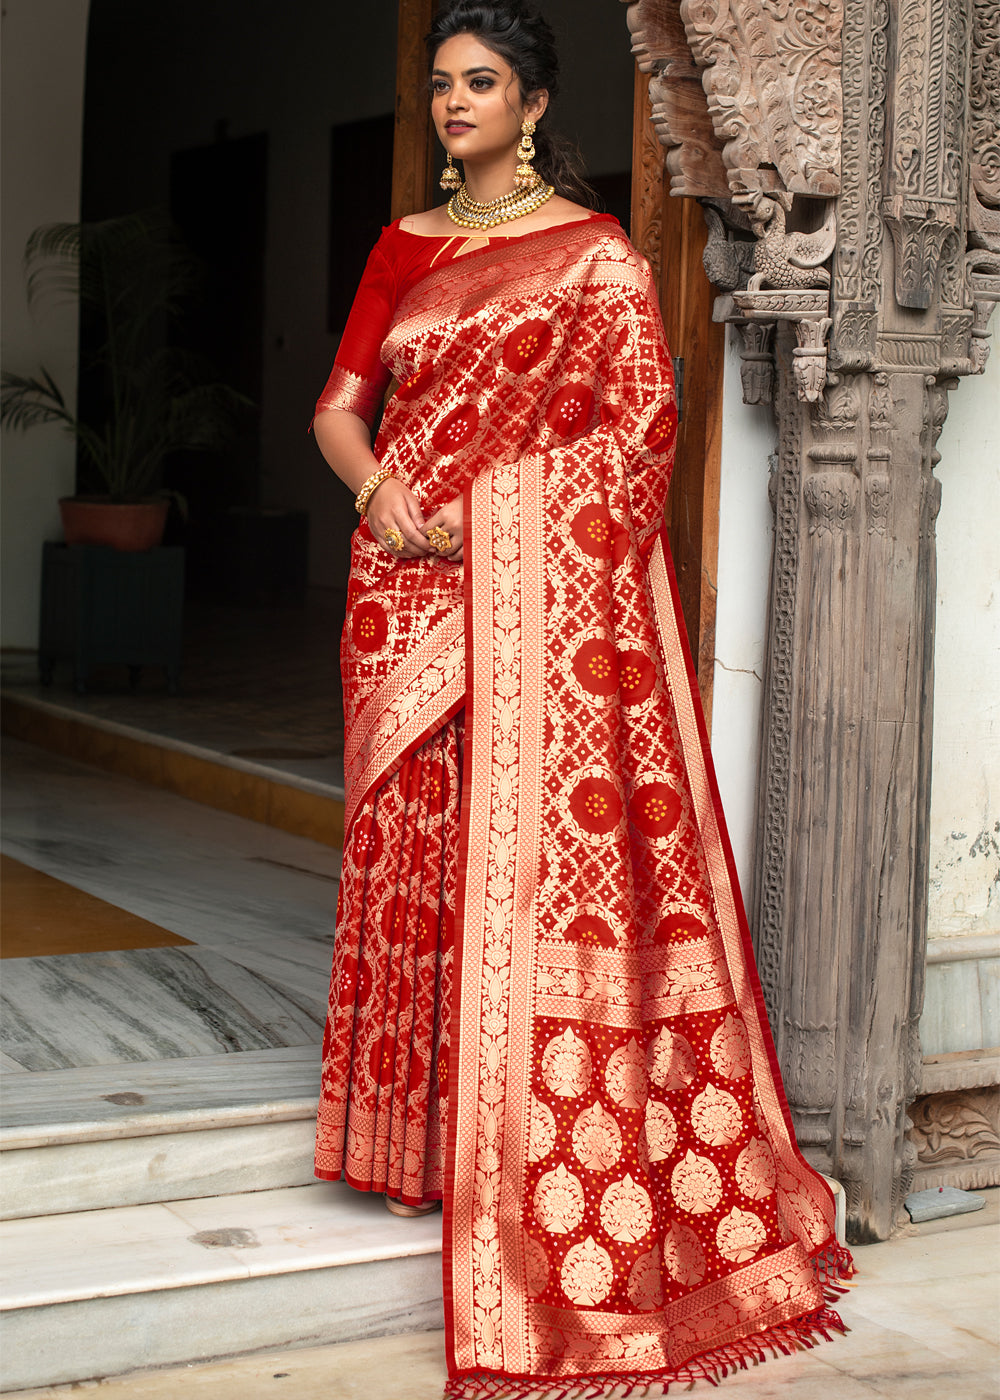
(399, 260)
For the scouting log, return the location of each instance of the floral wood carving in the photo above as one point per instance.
(772, 77)
(770, 99)
(957, 1137)
(984, 104)
(679, 108)
(923, 203)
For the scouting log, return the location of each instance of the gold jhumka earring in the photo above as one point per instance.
(450, 178)
(526, 177)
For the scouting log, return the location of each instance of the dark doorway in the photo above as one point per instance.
(360, 199)
(218, 200)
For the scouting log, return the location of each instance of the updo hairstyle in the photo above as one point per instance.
(524, 40)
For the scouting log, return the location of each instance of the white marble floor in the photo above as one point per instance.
(923, 1317)
(257, 903)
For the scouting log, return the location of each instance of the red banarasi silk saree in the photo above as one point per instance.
(544, 1008)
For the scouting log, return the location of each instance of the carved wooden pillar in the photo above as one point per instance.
(844, 129)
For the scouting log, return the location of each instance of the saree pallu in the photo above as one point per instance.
(624, 1201)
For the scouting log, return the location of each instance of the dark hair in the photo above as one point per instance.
(524, 40)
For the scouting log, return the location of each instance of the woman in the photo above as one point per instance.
(543, 1007)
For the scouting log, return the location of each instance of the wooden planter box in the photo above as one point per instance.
(103, 607)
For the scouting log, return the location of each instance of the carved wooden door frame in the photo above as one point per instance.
(848, 155)
(412, 164)
(670, 232)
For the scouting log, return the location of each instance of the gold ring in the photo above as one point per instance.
(439, 538)
(394, 540)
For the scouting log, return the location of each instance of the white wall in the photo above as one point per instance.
(964, 893)
(965, 794)
(42, 105)
(745, 529)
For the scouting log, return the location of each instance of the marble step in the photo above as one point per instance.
(135, 1134)
(305, 798)
(98, 1293)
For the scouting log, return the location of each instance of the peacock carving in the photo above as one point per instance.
(787, 260)
(728, 256)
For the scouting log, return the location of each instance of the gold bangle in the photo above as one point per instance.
(368, 488)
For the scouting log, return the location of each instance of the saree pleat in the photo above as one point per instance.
(383, 1114)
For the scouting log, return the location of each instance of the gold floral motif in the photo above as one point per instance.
(645, 1287)
(808, 1213)
(626, 1211)
(730, 1048)
(625, 1076)
(695, 1184)
(683, 1255)
(671, 1061)
(661, 1131)
(755, 1170)
(536, 1266)
(597, 1139)
(559, 1201)
(542, 1133)
(716, 1117)
(566, 1065)
(740, 1235)
(587, 1273)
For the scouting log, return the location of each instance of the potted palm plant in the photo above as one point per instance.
(131, 275)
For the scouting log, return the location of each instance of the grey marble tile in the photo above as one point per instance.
(145, 1004)
(133, 1099)
(131, 1171)
(258, 903)
(106, 1336)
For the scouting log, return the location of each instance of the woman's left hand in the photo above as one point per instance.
(449, 518)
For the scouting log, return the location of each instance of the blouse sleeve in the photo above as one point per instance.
(358, 380)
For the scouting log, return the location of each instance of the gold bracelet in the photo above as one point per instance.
(368, 488)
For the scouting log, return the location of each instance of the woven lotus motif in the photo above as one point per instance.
(793, 1283)
(542, 1132)
(730, 1048)
(587, 1273)
(597, 1139)
(558, 1201)
(671, 1061)
(755, 1170)
(626, 1211)
(566, 1065)
(661, 1131)
(695, 1184)
(716, 1117)
(683, 1255)
(740, 1235)
(536, 1266)
(645, 1286)
(804, 1210)
(625, 1076)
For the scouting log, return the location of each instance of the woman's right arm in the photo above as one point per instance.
(345, 441)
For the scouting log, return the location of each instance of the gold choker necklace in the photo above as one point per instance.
(471, 213)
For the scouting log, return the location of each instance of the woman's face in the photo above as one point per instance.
(476, 102)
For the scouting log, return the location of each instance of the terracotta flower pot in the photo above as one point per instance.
(127, 525)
